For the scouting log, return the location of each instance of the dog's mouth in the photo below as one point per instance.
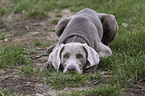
(72, 71)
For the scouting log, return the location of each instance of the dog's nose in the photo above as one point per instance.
(71, 68)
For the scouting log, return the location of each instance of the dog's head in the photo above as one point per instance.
(73, 57)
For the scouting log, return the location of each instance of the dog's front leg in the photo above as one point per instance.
(103, 50)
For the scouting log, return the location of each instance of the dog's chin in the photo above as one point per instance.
(73, 72)
(68, 72)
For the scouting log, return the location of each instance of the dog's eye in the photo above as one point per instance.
(79, 56)
(67, 55)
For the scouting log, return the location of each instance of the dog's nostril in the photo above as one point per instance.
(71, 68)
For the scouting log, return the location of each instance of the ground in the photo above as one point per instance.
(117, 75)
(25, 33)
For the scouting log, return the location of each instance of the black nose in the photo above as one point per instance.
(71, 68)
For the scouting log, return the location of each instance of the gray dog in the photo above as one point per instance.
(83, 40)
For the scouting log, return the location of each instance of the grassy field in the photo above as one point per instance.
(122, 74)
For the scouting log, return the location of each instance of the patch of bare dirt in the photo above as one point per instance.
(25, 32)
(10, 81)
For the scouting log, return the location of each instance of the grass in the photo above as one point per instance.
(58, 15)
(60, 81)
(5, 35)
(4, 93)
(107, 90)
(55, 21)
(13, 56)
(2, 11)
(37, 42)
(2, 37)
(126, 65)
(36, 14)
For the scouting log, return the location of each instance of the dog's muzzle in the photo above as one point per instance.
(71, 68)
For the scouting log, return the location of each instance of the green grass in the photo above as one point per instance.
(2, 11)
(36, 14)
(121, 9)
(13, 56)
(37, 42)
(107, 90)
(55, 21)
(4, 93)
(5, 35)
(58, 15)
(50, 43)
(126, 65)
(60, 80)
(2, 37)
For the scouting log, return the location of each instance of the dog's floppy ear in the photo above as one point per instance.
(54, 57)
(61, 25)
(93, 57)
(110, 28)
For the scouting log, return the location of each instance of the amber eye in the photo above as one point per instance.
(79, 56)
(67, 55)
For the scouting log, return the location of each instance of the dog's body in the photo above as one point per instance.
(83, 39)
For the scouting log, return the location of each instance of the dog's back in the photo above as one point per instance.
(94, 17)
(85, 23)
(87, 26)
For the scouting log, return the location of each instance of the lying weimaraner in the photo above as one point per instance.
(83, 40)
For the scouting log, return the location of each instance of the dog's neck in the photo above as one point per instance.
(76, 37)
